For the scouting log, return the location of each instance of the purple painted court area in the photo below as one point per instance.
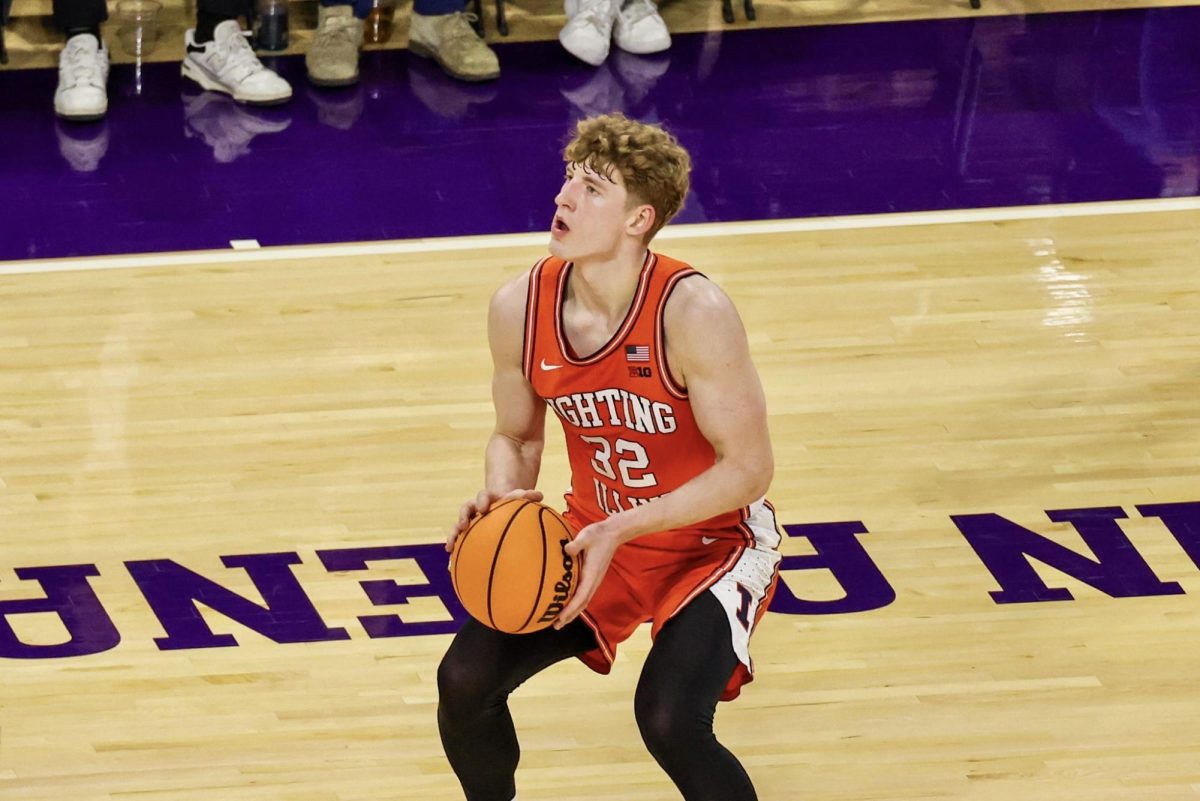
(781, 123)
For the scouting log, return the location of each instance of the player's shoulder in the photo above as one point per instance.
(507, 307)
(694, 299)
(509, 303)
(515, 291)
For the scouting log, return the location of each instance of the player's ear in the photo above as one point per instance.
(640, 220)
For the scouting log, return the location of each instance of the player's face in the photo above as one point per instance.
(591, 216)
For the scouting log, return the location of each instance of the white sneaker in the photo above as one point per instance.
(82, 95)
(228, 64)
(639, 28)
(589, 29)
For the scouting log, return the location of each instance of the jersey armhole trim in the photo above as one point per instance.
(660, 338)
(529, 340)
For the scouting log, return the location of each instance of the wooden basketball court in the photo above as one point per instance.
(938, 381)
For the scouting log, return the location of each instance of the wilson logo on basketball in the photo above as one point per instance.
(564, 589)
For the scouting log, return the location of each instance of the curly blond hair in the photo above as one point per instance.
(652, 162)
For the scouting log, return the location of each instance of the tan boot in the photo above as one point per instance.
(450, 40)
(332, 60)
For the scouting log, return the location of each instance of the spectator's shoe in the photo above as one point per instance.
(228, 64)
(332, 60)
(639, 28)
(82, 95)
(226, 127)
(82, 145)
(450, 40)
(589, 29)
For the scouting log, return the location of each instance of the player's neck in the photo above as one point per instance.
(606, 286)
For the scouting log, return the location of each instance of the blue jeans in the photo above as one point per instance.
(426, 7)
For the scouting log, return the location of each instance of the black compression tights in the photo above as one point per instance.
(676, 698)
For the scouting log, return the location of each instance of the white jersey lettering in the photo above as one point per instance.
(615, 407)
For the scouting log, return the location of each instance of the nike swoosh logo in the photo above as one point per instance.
(708, 540)
(549, 367)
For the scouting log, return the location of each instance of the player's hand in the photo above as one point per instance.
(481, 503)
(600, 541)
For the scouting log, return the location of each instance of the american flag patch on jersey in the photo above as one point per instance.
(637, 353)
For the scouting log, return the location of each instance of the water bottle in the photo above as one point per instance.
(271, 24)
(377, 27)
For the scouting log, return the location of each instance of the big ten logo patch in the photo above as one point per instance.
(639, 372)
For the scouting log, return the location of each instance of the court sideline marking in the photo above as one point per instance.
(693, 231)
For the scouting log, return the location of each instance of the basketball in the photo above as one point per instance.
(510, 569)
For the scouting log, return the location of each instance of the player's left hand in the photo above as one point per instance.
(598, 542)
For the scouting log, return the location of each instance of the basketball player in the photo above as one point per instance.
(645, 362)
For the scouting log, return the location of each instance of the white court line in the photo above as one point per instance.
(699, 231)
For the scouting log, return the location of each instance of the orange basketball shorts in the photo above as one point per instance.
(655, 576)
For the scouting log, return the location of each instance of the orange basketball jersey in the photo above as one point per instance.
(630, 432)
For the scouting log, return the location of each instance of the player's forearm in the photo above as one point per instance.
(725, 486)
(511, 463)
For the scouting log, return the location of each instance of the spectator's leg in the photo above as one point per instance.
(80, 16)
(5, 6)
(211, 13)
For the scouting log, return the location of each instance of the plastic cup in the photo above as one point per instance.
(137, 28)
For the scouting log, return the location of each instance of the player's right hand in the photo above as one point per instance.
(481, 503)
